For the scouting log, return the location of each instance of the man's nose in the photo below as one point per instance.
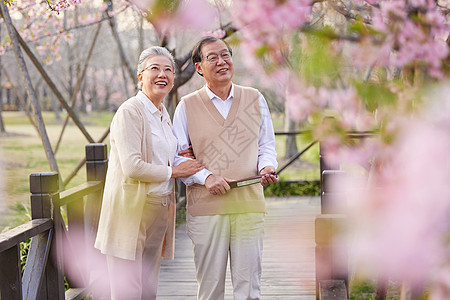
(220, 60)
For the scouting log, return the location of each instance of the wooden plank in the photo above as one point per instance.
(54, 272)
(79, 191)
(35, 265)
(24, 232)
(75, 294)
(10, 279)
(288, 256)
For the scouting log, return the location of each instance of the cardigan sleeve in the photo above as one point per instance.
(127, 131)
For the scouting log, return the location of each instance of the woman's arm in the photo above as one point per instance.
(127, 132)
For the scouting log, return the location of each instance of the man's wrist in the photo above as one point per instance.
(267, 170)
(203, 174)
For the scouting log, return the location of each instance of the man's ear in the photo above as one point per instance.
(140, 77)
(198, 67)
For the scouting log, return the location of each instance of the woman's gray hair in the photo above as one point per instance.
(152, 51)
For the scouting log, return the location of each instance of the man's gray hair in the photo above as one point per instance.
(152, 51)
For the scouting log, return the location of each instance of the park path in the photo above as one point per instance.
(288, 257)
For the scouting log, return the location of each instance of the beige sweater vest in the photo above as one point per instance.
(227, 147)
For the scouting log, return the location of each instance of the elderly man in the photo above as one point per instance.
(231, 133)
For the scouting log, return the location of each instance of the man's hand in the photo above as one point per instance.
(189, 153)
(216, 185)
(269, 176)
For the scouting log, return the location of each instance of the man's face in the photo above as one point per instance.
(216, 65)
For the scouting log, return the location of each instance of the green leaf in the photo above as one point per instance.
(375, 95)
(164, 7)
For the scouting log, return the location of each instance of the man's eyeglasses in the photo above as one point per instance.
(213, 58)
(157, 69)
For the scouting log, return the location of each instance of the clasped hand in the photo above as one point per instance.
(216, 184)
(269, 175)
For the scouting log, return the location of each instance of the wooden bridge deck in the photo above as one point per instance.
(288, 257)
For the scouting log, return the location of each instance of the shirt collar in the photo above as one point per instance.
(212, 96)
(149, 106)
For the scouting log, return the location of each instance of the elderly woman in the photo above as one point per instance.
(137, 219)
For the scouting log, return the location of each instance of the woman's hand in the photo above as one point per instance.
(187, 168)
(189, 153)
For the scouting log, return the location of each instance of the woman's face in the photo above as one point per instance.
(157, 77)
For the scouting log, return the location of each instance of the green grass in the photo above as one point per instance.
(21, 154)
(281, 189)
(364, 289)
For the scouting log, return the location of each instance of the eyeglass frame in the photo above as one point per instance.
(172, 70)
(216, 60)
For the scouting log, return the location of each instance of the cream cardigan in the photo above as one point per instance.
(129, 171)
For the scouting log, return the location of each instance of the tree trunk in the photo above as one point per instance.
(123, 57)
(28, 86)
(141, 34)
(2, 125)
(93, 94)
(80, 78)
(23, 103)
(53, 87)
(55, 107)
(381, 290)
(125, 82)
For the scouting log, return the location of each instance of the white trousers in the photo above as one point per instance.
(138, 279)
(214, 238)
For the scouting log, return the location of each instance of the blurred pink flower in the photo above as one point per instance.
(265, 24)
(415, 38)
(400, 210)
(218, 33)
(82, 262)
(186, 16)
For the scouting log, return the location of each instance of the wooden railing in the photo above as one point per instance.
(331, 259)
(43, 275)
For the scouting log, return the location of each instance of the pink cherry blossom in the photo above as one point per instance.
(399, 214)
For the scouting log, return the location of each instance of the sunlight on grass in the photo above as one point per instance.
(23, 154)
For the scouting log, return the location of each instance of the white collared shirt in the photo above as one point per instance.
(267, 155)
(164, 143)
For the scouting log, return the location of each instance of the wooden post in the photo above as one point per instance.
(331, 253)
(42, 187)
(44, 196)
(10, 274)
(332, 202)
(324, 165)
(96, 167)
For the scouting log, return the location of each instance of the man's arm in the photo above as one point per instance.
(181, 133)
(267, 156)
